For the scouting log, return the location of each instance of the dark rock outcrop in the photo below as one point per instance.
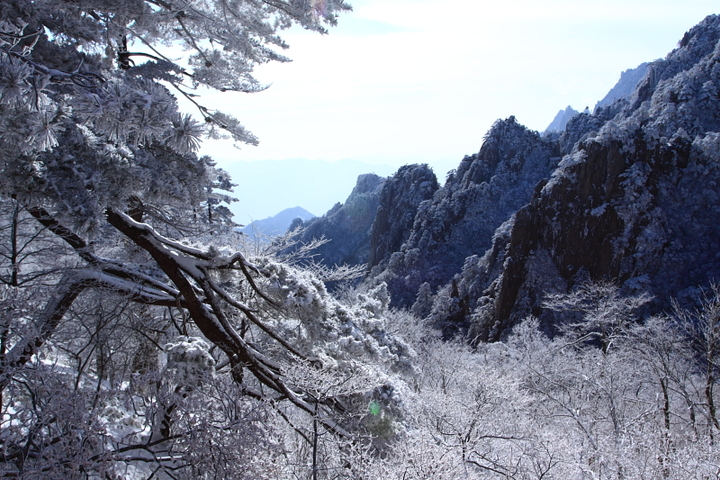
(347, 226)
(637, 202)
(399, 201)
(462, 216)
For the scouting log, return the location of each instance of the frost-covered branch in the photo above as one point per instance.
(250, 315)
(212, 321)
(113, 271)
(44, 325)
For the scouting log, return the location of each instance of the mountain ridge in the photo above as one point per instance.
(626, 194)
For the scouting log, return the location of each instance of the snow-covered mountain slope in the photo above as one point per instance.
(636, 202)
(460, 219)
(346, 226)
(629, 194)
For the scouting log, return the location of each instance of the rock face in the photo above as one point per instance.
(637, 201)
(347, 226)
(375, 220)
(399, 201)
(462, 216)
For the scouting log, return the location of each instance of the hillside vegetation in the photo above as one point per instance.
(549, 312)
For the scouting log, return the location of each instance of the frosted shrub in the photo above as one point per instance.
(709, 145)
(326, 328)
(564, 170)
(604, 314)
(295, 287)
(189, 360)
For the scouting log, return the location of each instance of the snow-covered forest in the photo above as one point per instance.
(142, 336)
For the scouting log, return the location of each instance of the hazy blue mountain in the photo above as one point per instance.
(624, 88)
(265, 188)
(278, 224)
(560, 121)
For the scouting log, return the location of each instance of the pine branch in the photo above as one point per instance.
(211, 322)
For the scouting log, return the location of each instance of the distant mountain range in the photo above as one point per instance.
(277, 224)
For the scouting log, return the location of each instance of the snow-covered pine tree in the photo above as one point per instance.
(120, 253)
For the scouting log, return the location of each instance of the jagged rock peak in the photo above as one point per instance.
(636, 202)
(505, 141)
(560, 121)
(624, 88)
(400, 198)
(460, 219)
(366, 183)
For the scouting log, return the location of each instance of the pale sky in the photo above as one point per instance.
(408, 81)
(422, 81)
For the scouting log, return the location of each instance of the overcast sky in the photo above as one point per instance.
(406, 81)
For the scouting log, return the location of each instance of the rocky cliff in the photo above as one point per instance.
(400, 199)
(636, 201)
(460, 219)
(375, 220)
(346, 226)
